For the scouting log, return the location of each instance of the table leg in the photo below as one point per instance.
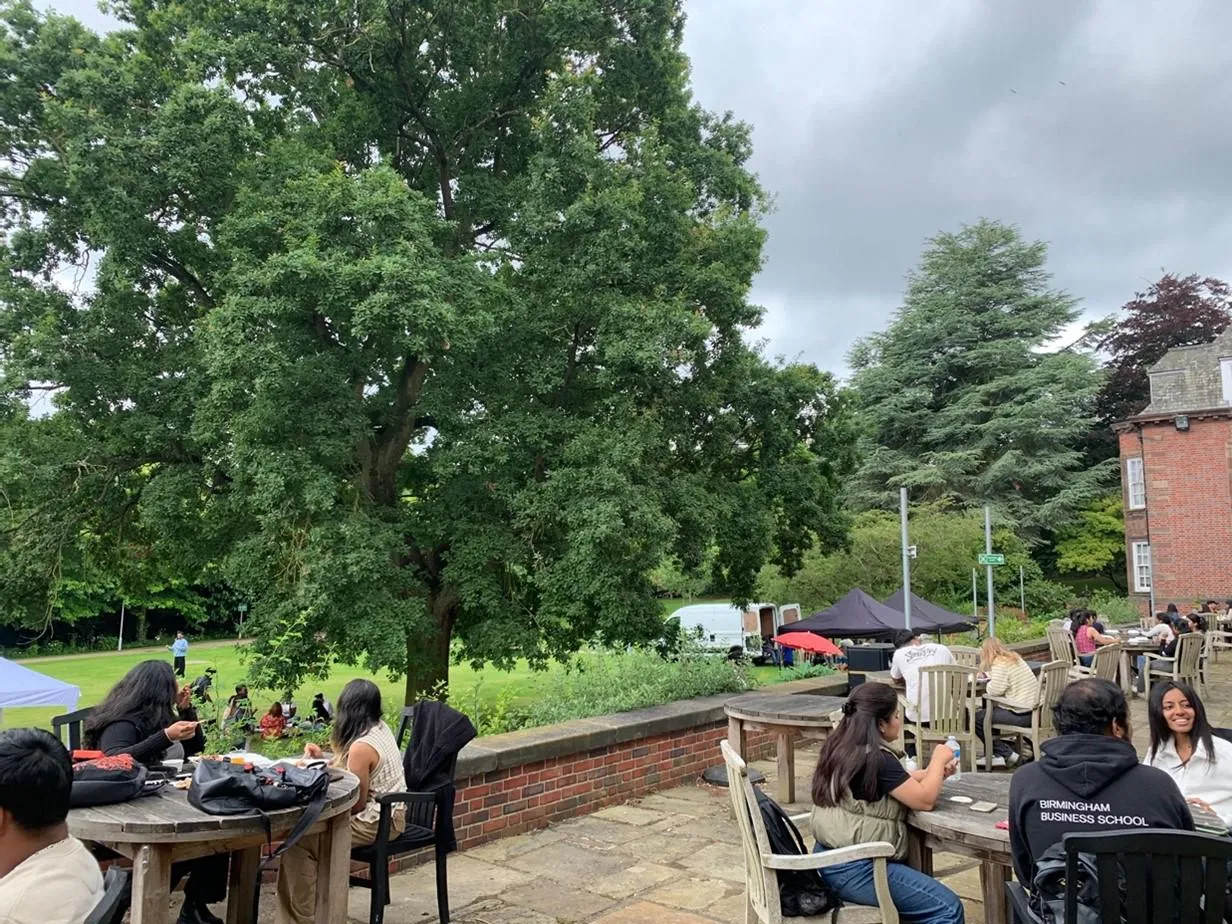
(919, 854)
(993, 877)
(245, 868)
(786, 767)
(735, 735)
(333, 870)
(1127, 676)
(151, 896)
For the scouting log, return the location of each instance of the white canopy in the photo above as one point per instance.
(20, 686)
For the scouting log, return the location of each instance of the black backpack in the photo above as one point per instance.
(801, 892)
(1047, 900)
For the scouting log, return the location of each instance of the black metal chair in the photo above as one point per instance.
(1168, 876)
(72, 722)
(117, 895)
(429, 817)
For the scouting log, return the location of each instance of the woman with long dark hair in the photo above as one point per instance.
(365, 746)
(1184, 746)
(150, 717)
(862, 793)
(1086, 637)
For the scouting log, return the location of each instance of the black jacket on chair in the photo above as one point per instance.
(438, 733)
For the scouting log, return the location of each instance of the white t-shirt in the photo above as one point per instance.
(906, 667)
(1201, 779)
(60, 884)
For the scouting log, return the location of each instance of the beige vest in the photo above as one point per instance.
(387, 777)
(854, 821)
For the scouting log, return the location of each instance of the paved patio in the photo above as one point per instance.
(671, 858)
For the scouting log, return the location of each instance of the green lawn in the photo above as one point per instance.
(96, 673)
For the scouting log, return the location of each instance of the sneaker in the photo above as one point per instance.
(998, 762)
(1012, 760)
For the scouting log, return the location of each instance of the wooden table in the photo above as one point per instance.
(156, 831)
(954, 828)
(786, 716)
(1125, 670)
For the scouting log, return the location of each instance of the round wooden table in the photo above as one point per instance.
(156, 831)
(786, 716)
(952, 827)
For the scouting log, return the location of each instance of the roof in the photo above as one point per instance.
(857, 615)
(21, 686)
(1189, 378)
(929, 616)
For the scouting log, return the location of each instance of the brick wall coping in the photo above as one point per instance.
(531, 745)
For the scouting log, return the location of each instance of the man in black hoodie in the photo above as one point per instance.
(1089, 779)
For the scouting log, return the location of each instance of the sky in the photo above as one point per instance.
(1099, 126)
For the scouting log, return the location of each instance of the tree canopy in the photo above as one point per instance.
(963, 398)
(418, 323)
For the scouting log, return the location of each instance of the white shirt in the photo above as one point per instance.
(60, 884)
(906, 667)
(1160, 629)
(1200, 778)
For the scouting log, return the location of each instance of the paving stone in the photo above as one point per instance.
(644, 912)
(506, 847)
(629, 814)
(693, 893)
(730, 909)
(663, 848)
(717, 861)
(629, 881)
(413, 893)
(497, 912)
(667, 805)
(608, 832)
(561, 903)
(711, 830)
(571, 864)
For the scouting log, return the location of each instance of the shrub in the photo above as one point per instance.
(804, 671)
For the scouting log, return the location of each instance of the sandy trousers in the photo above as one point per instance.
(297, 870)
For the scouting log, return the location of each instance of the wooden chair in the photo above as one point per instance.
(71, 723)
(1219, 639)
(1107, 662)
(951, 709)
(1168, 876)
(1061, 647)
(761, 865)
(1182, 666)
(965, 656)
(1053, 678)
(117, 895)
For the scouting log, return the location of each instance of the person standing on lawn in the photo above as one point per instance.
(179, 650)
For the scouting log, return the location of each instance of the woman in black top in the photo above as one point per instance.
(148, 716)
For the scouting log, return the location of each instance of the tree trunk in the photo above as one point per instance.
(141, 625)
(427, 656)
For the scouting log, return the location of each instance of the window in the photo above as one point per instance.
(1225, 373)
(1142, 567)
(1136, 482)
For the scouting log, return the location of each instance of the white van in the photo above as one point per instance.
(721, 626)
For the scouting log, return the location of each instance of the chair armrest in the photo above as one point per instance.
(1005, 703)
(829, 857)
(801, 818)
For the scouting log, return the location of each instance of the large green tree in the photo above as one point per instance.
(963, 399)
(423, 321)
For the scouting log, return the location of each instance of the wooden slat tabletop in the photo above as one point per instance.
(785, 708)
(956, 822)
(168, 818)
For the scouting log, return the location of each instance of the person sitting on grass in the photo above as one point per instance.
(862, 793)
(1183, 746)
(46, 877)
(1009, 679)
(365, 746)
(273, 723)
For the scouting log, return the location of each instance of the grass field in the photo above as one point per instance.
(95, 674)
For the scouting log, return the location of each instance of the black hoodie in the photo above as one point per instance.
(1087, 783)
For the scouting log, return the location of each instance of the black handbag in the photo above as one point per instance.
(222, 788)
(108, 780)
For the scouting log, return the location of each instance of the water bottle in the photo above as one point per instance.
(952, 743)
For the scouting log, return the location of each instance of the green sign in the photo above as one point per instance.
(992, 559)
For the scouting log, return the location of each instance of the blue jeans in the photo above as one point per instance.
(919, 899)
(1085, 660)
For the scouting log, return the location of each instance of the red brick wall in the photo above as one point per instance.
(1189, 509)
(519, 799)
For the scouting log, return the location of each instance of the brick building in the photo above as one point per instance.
(1176, 475)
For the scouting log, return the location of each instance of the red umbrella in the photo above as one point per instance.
(807, 641)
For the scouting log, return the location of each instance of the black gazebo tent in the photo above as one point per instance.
(929, 616)
(857, 615)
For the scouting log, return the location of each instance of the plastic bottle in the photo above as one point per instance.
(952, 743)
